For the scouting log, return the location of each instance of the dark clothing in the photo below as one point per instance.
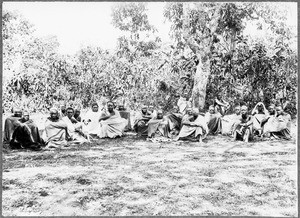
(11, 123)
(126, 115)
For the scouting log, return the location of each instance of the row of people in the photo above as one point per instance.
(182, 123)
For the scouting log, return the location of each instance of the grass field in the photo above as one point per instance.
(132, 176)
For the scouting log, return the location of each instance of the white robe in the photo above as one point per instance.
(93, 127)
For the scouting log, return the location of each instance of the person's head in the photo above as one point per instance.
(244, 110)
(279, 110)
(121, 108)
(110, 106)
(17, 112)
(151, 108)
(159, 114)
(175, 109)
(271, 109)
(144, 109)
(54, 113)
(237, 110)
(189, 111)
(76, 113)
(211, 109)
(95, 107)
(26, 115)
(260, 108)
(70, 112)
(63, 109)
(195, 112)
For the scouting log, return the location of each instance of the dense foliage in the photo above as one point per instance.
(212, 56)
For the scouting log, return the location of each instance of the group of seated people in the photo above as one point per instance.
(65, 127)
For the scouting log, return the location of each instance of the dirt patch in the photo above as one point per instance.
(129, 176)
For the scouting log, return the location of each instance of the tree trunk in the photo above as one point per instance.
(200, 83)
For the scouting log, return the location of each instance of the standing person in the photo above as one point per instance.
(112, 124)
(194, 127)
(55, 134)
(213, 121)
(183, 103)
(74, 127)
(11, 124)
(243, 130)
(91, 119)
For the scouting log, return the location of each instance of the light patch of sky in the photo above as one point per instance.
(78, 24)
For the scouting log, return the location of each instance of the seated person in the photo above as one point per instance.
(152, 111)
(11, 124)
(259, 113)
(141, 121)
(91, 120)
(228, 121)
(126, 115)
(213, 121)
(55, 134)
(194, 127)
(74, 127)
(174, 120)
(221, 105)
(26, 134)
(112, 125)
(158, 126)
(278, 124)
(243, 130)
(77, 115)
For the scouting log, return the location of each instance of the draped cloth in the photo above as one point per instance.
(228, 122)
(241, 130)
(26, 135)
(158, 127)
(126, 115)
(182, 104)
(11, 123)
(93, 127)
(278, 126)
(72, 130)
(55, 134)
(214, 122)
(193, 133)
(141, 124)
(113, 126)
(174, 121)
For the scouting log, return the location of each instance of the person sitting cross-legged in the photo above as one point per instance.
(26, 134)
(11, 124)
(158, 126)
(74, 127)
(213, 120)
(259, 114)
(91, 121)
(229, 121)
(194, 127)
(56, 130)
(112, 125)
(141, 121)
(243, 129)
(174, 120)
(278, 124)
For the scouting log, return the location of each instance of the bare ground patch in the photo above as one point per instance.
(135, 177)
